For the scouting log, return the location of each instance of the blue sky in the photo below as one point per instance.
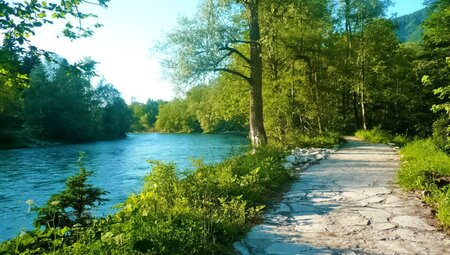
(402, 7)
(131, 29)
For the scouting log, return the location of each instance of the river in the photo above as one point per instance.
(119, 166)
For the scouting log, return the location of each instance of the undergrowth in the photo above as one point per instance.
(376, 135)
(203, 212)
(293, 139)
(425, 167)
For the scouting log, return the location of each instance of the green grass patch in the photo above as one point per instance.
(202, 212)
(295, 139)
(425, 167)
(376, 135)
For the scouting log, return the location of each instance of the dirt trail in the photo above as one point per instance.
(348, 204)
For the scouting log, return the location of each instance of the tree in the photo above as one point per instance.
(12, 83)
(115, 116)
(212, 41)
(144, 115)
(72, 205)
(61, 104)
(20, 19)
(296, 41)
(355, 16)
(174, 117)
(58, 103)
(436, 66)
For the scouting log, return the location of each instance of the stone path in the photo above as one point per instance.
(348, 204)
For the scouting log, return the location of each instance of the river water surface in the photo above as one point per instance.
(36, 173)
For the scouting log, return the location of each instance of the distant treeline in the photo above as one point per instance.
(207, 109)
(57, 102)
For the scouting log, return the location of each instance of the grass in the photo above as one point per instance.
(294, 139)
(426, 168)
(377, 135)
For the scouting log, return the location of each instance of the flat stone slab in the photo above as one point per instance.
(347, 204)
(412, 222)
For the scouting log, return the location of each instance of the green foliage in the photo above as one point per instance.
(18, 20)
(295, 139)
(441, 133)
(175, 117)
(202, 213)
(62, 105)
(436, 67)
(425, 167)
(376, 135)
(144, 115)
(72, 205)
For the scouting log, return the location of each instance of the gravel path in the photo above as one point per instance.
(348, 204)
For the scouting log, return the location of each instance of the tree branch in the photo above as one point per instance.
(240, 41)
(239, 74)
(240, 54)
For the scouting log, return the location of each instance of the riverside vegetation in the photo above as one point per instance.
(315, 68)
(202, 213)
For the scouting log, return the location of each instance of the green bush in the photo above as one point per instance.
(425, 167)
(441, 133)
(203, 212)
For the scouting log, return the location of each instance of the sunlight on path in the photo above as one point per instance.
(348, 204)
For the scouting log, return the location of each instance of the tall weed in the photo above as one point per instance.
(425, 167)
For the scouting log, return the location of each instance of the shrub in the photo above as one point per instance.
(72, 205)
(426, 167)
(441, 133)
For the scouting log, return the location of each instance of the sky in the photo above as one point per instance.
(131, 28)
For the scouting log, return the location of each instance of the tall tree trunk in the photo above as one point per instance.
(355, 110)
(316, 90)
(257, 131)
(362, 74)
(347, 94)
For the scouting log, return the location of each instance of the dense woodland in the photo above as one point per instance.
(327, 66)
(281, 70)
(57, 102)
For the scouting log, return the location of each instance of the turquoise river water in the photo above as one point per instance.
(120, 165)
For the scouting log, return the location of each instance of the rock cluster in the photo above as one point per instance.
(301, 157)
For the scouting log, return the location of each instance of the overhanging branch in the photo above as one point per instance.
(237, 52)
(230, 71)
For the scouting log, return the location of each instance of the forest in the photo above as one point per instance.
(281, 71)
(327, 66)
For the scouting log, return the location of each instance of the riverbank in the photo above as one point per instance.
(203, 212)
(17, 140)
(20, 140)
(119, 165)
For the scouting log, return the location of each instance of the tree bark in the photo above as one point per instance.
(257, 131)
